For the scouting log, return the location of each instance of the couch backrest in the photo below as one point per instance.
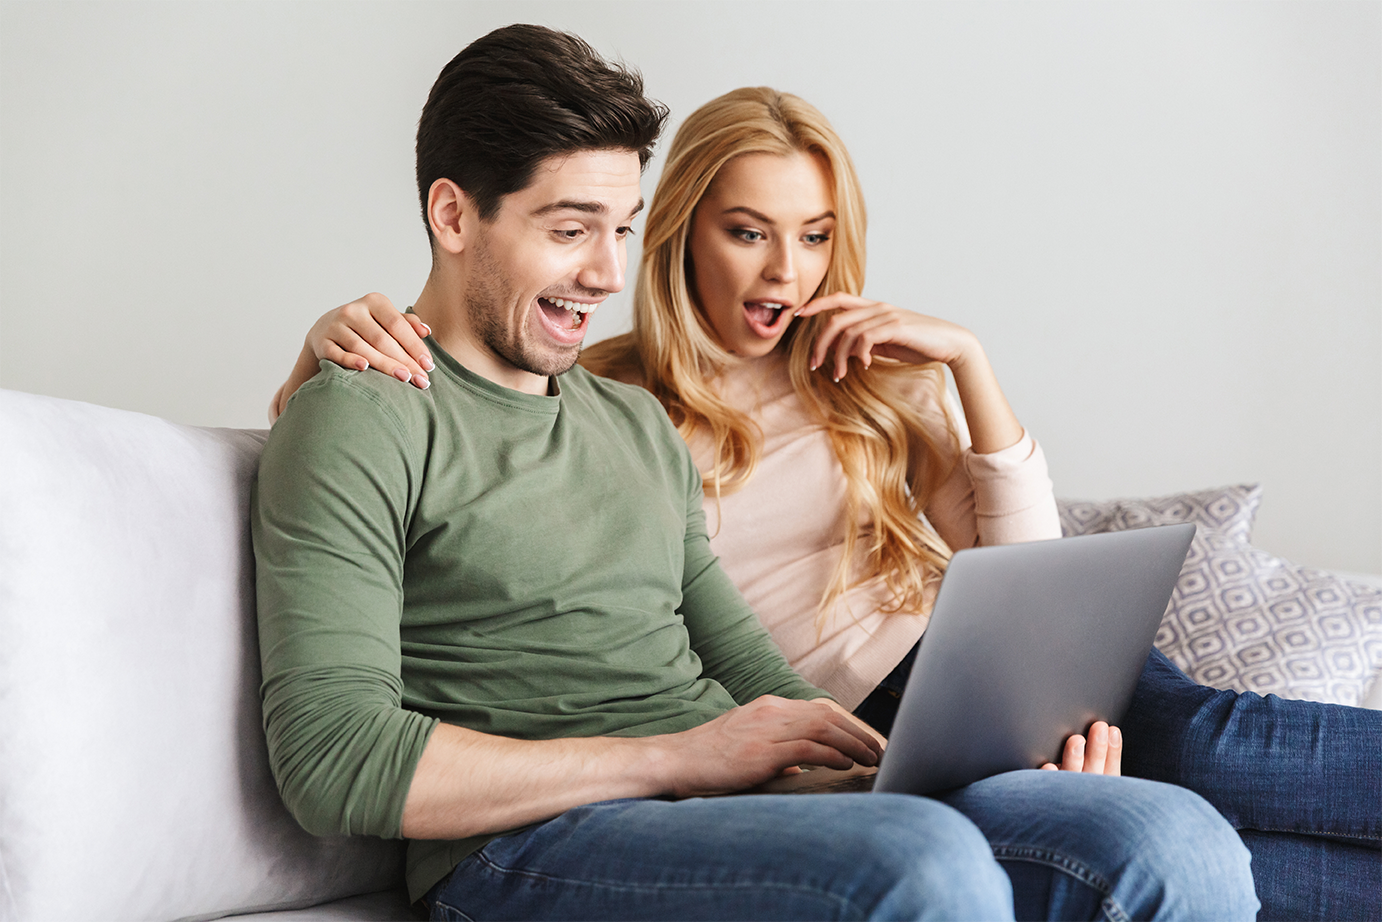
(134, 781)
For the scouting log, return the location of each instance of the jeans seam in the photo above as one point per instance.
(450, 908)
(1068, 865)
(1315, 834)
(843, 904)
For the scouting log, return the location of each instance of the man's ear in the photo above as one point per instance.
(448, 207)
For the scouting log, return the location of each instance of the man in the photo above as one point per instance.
(490, 621)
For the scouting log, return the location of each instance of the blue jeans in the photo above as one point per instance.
(1073, 847)
(1300, 781)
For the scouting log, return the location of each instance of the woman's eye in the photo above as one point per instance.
(816, 239)
(747, 235)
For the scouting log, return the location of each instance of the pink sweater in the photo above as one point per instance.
(780, 537)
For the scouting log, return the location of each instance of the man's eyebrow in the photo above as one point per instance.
(585, 207)
(760, 216)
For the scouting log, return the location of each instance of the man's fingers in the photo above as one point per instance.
(1073, 760)
(1096, 748)
(826, 731)
(807, 729)
(1114, 766)
(853, 742)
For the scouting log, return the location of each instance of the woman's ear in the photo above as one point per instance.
(447, 208)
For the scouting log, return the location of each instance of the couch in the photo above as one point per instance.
(134, 781)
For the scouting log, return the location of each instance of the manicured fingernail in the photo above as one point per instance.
(1115, 736)
(426, 363)
(427, 328)
(421, 381)
(402, 374)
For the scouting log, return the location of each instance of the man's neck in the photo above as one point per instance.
(442, 307)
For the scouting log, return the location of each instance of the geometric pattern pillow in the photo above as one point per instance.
(1227, 510)
(1242, 618)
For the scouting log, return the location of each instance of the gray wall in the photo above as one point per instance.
(1164, 220)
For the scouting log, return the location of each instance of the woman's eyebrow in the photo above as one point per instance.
(760, 216)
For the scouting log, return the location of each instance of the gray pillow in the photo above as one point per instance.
(1227, 510)
(1242, 618)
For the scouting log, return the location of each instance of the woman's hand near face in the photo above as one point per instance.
(369, 332)
(1102, 754)
(863, 329)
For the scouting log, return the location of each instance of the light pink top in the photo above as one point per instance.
(780, 536)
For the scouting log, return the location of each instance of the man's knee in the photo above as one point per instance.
(1155, 850)
(1177, 857)
(1202, 864)
(924, 860)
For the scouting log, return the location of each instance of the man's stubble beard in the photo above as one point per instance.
(487, 297)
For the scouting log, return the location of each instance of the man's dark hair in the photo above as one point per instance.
(519, 95)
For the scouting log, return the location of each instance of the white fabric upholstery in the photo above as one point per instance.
(134, 782)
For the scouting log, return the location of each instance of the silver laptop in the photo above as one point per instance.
(1028, 643)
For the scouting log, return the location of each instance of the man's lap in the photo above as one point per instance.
(1064, 838)
(756, 856)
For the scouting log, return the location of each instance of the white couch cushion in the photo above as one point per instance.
(134, 782)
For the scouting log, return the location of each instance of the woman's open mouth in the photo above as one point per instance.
(767, 318)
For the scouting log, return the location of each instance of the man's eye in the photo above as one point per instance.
(569, 234)
(623, 232)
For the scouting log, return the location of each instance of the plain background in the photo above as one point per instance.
(1164, 220)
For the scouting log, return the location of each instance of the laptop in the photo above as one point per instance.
(1027, 644)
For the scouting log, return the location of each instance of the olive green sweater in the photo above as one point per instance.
(531, 567)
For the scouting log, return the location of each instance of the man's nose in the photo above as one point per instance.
(604, 269)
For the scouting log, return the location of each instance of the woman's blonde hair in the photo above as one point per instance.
(890, 462)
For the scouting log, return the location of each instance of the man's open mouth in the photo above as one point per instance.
(562, 312)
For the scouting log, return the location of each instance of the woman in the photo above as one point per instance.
(796, 395)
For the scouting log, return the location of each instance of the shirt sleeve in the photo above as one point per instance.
(1003, 497)
(329, 519)
(734, 647)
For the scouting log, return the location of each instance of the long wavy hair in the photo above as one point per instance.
(890, 462)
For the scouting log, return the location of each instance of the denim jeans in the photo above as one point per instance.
(1300, 781)
(1073, 847)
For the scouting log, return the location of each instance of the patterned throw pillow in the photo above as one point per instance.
(1228, 510)
(1241, 618)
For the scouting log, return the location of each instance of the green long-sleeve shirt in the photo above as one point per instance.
(532, 567)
